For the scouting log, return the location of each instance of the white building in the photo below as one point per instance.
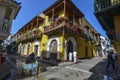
(105, 45)
(7, 41)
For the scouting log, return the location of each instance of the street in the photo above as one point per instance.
(86, 69)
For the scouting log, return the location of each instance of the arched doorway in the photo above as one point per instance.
(53, 49)
(36, 48)
(69, 48)
(53, 41)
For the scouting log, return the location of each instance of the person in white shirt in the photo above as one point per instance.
(70, 56)
(75, 56)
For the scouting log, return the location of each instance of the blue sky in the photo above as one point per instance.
(31, 8)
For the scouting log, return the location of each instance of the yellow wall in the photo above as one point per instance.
(117, 32)
(117, 25)
(31, 47)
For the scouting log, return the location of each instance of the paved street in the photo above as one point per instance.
(87, 69)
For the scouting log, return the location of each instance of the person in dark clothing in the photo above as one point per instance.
(32, 56)
(110, 61)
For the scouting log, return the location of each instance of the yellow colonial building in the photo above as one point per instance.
(29, 36)
(59, 30)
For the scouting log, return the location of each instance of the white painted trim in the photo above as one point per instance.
(36, 42)
(74, 45)
(25, 49)
(19, 48)
(58, 46)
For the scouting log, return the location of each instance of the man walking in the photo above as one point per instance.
(110, 61)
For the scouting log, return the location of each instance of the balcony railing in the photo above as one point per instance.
(36, 33)
(62, 22)
(103, 4)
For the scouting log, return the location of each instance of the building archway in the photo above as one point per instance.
(28, 49)
(53, 50)
(71, 46)
(36, 48)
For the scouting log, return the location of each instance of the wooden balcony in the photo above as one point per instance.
(36, 34)
(60, 25)
(107, 10)
(30, 35)
(110, 5)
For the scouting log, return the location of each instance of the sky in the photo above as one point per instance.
(31, 8)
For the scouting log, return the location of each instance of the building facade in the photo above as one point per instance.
(108, 14)
(104, 42)
(8, 11)
(63, 29)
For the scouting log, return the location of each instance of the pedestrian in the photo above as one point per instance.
(110, 61)
(75, 56)
(70, 56)
(32, 56)
(115, 57)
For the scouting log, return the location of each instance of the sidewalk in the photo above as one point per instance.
(4, 71)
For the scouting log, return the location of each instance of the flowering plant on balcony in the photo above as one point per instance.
(29, 33)
(35, 32)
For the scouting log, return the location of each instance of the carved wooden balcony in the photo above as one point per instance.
(36, 33)
(29, 35)
(60, 25)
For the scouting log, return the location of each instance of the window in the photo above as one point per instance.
(8, 13)
(101, 6)
(86, 30)
(96, 6)
(56, 17)
(92, 34)
(5, 25)
(80, 21)
(70, 19)
(36, 49)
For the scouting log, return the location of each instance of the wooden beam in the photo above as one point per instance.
(53, 13)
